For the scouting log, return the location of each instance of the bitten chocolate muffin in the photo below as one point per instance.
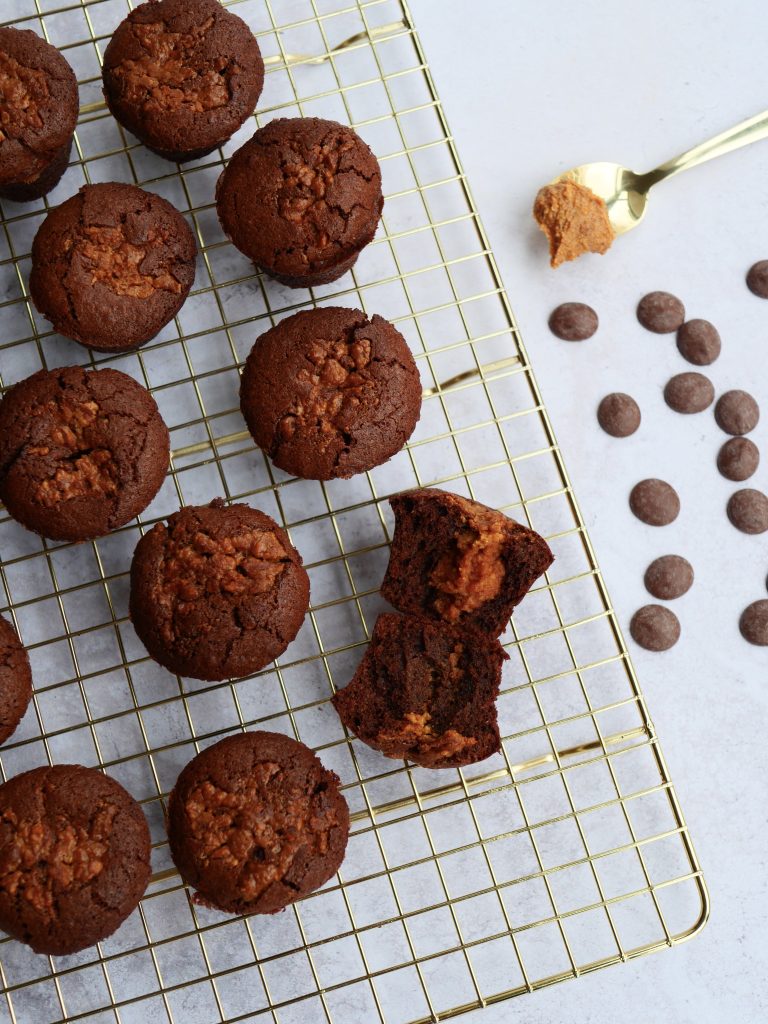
(255, 822)
(15, 680)
(329, 393)
(74, 857)
(425, 691)
(38, 112)
(459, 561)
(112, 266)
(81, 451)
(182, 75)
(218, 592)
(301, 199)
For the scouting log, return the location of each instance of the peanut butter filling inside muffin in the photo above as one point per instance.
(22, 91)
(574, 220)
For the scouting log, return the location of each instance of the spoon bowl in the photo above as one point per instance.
(624, 193)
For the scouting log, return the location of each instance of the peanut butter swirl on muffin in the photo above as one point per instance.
(182, 75)
(255, 822)
(74, 857)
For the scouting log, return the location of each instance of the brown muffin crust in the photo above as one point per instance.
(74, 857)
(15, 680)
(182, 75)
(301, 199)
(111, 266)
(255, 822)
(218, 592)
(458, 561)
(425, 691)
(38, 112)
(329, 393)
(81, 451)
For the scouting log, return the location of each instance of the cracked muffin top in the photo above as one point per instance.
(301, 199)
(112, 266)
(74, 857)
(218, 592)
(255, 822)
(329, 393)
(182, 75)
(15, 680)
(38, 106)
(81, 451)
(425, 691)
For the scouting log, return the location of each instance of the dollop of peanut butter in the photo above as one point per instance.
(574, 219)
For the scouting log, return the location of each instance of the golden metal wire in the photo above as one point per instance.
(581, 792)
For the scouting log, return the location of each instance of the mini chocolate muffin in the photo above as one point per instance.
(39, 105)
(458, 561)
(426, 691)
(301, 199)
(74, 857)
(112, 266)
(15, 680)
(329, 393)
(182, 76)
(218, 592)
(82, 452)
(255, 822)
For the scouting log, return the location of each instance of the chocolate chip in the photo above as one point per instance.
(618, 414)
(573, 321)
(757, 279)
(753, 623)
(748, 510)
(669, 577)
(654, 502)
(737, 412)
(699, 342)
(738, 459)
(655, 628)
(689, 392)
(660, 312)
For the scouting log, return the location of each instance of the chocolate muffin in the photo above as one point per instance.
(74, 857)
(182, 76)
(426, 691)
(112, 266)
(255, 822)
(329, 393)
(82, 452)
(301, 199)
(15, 680)
(218, 592)
(458, 561)
(39, 105)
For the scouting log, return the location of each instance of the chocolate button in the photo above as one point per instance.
(738, 459)
(660, 312)
(655, 628)
(699, 342)
(753, 623)
(748, 510)
(689, 392)
(669, 577)
(618, 414)
(737, 412)
(573, 321)
(757, 279)
(654, 502)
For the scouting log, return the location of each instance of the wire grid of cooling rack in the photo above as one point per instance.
(564, 853)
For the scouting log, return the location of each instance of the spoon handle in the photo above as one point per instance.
(742, 134)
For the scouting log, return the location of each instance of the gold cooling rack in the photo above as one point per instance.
(566, 852)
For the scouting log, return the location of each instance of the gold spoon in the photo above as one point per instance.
(626, 193)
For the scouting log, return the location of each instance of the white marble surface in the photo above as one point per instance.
(531, 89)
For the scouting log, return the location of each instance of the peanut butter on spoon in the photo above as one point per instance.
(574, 219)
